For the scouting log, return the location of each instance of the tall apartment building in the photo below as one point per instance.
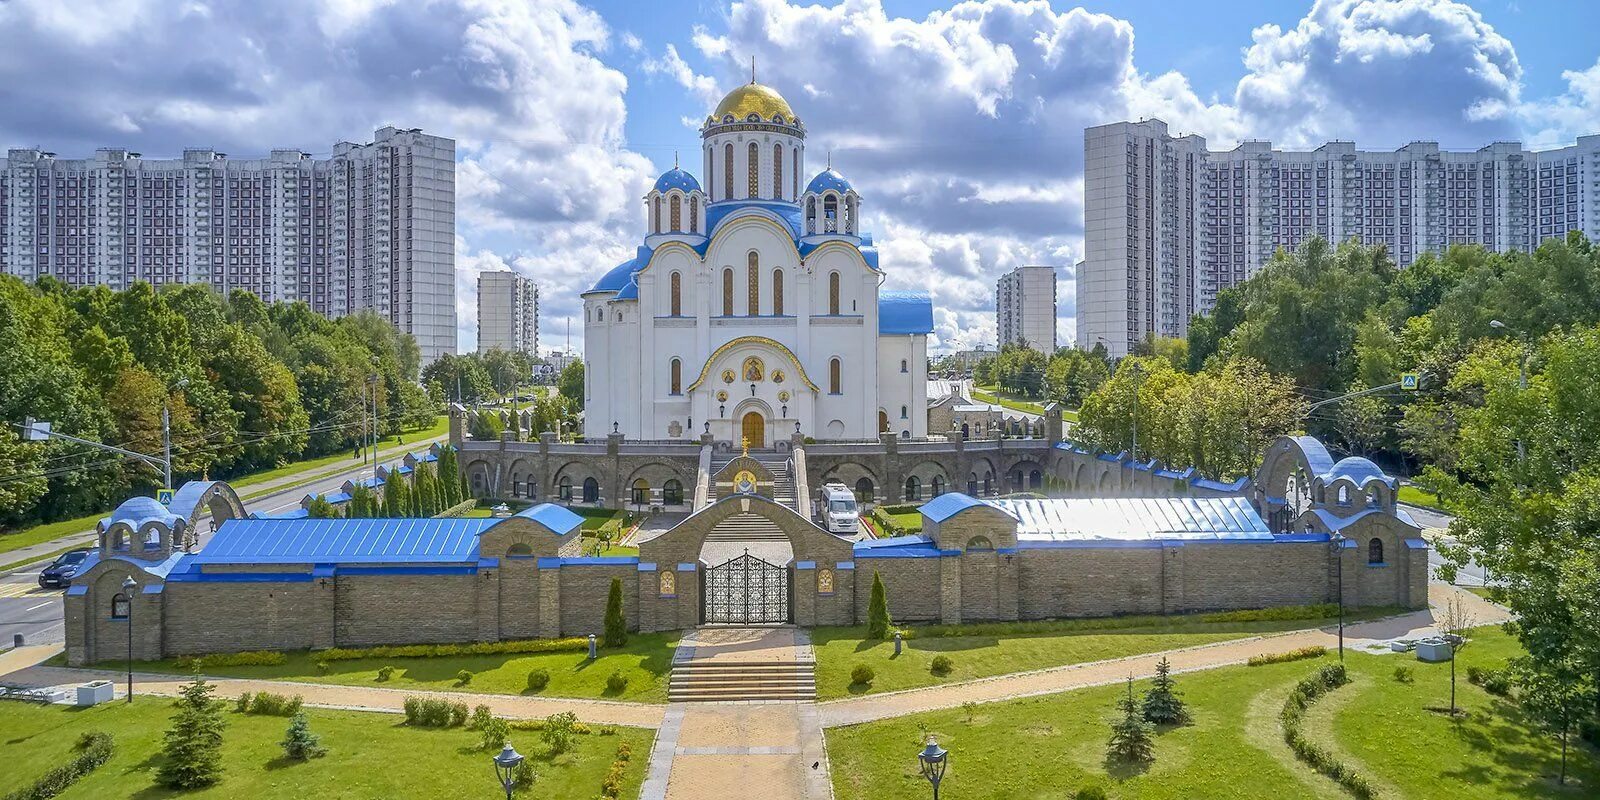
(508, 312)
(1025, 307)
(372, 227)
(1168, 224)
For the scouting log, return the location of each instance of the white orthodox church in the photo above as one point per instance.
(754, 308)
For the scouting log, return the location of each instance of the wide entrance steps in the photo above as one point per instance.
(733, 665)
(746, 527)
(782, 481)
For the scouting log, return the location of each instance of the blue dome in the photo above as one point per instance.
(1357, 470)
(677, 179)
(828, 179)
(620, 276)
(139, 508)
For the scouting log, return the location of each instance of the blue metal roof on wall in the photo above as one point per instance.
(621, 275)
(137, 510)
(345, 541)
(1357, 470)
(1317, 457)
(902, 313)
(1136, 519)
(556, 518)
(948, 505)
(788, 213)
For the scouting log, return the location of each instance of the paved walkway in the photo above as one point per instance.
(740, 749)
(355, 698)
(1077, 676)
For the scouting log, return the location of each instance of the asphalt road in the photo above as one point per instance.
(35, 612)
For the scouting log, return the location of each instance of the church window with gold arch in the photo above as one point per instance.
(755, 172)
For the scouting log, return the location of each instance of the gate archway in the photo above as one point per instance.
(746, 590)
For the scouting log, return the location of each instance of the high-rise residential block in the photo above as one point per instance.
(508, 312)
(1025, 308)
(372, 227)
(1168, 224)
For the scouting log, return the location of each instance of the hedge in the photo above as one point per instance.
(1306, 692)
(458, 509)
(432, 712)
(571, 644)
(250, 658)
(94, 748)
(1299, 654)
(1284, 613)
(268, 704)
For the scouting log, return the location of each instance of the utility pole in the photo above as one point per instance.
(166, 434)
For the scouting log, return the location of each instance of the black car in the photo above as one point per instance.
(59, 574)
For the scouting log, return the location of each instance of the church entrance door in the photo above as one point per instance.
(754, 429)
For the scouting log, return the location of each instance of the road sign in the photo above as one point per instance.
(1410, 381)
(164, 496)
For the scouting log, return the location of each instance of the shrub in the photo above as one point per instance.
(611, 784)
(249, 658)
(557, 732)
(480, 717)
(385, 673)
(1403, 674)
(624, 752)
(521, 646)
(1300, 654)
(862, 675)
(413, 710)
(193, 745)
(538, 679)
(616, 682)
(493, 734)
(299, 743)
(463, 677)
(1278, 614)
(524, 776)
(1162, 704)
(616, 623)
(94, 748)
(242, 705)
(878, 620)
(458, 714)
(269, 704)
(942, 665)
(1306, 692)
(1091, 792)
(432, 712)
(1132, 741)
(1497, 683)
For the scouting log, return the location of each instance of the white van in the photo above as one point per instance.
(839, 511)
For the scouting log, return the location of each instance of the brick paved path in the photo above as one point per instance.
(1077, 676)
(706, 750)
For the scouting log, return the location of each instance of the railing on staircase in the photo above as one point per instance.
(702, 481)
(802, 487)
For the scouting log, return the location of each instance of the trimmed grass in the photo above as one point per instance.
(646, 661)
(67, 527)
(911, 521)
(1418, 497)
(1049, 747)
(369, 755)
(984, 650)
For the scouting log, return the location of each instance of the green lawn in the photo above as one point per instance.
(1049, 747)
(55, 530)
(992, 394)
(646, 661)
(984, 650)
(369, 756)
(1419, 497)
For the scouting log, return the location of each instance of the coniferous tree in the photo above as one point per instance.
(449, 480)
(423, 484)
(878, 621)
(616, 624)
(1162, 705)
(193, 749)
(1131, 739)
(394, 496)
(299, 743)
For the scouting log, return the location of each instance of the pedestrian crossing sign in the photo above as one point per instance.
(164, 496)
(1410, 381)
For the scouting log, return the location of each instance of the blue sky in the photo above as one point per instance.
(960, 124)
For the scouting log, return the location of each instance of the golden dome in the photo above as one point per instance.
(753, 98)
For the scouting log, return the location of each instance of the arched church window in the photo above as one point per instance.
(591, 490)
(913, 489)
(655, 214)
(641, 492)
(677, 376)
(777, 172)
(599, 315)
(727, 292)
(753, 278)
(727, 172)
(676, 282)
(905, 366)
(694, 215)
(777, 292)
(938, 485)
(672, 492)
(677, 213)
(794, 174)
(904, 413)
(833, 293)
(564, 489)
(811, 215)
(830, 214)
(864, 490)
(1375, 551)
(710, 173)
(980, 543)
(119, 606)
(755, 172)
(834, 368)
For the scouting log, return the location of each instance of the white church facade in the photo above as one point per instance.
(754, 308)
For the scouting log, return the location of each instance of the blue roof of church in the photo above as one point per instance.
(677, 179)
(789, 213)
(345, 541)
(1357, 470)
(828, 179)
(136, 511)
(948, 505)
(902, 313)
(621, 275)
(558, 519)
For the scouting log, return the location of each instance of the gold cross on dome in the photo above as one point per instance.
(744, 442)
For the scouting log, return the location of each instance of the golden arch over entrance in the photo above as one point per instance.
(754, 429)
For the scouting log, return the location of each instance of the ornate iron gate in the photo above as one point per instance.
(746, 590)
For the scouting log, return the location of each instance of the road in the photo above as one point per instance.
(35, 612)
(939, 387)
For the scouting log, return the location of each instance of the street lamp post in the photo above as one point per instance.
(933, 759)
(166, 432)
(1337, 541)
(505, 768)
(127, 591)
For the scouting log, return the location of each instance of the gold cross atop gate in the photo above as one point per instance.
(744, 442)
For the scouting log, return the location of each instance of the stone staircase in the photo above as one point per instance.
(782, 480)
(746, 527)
(729, 665)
